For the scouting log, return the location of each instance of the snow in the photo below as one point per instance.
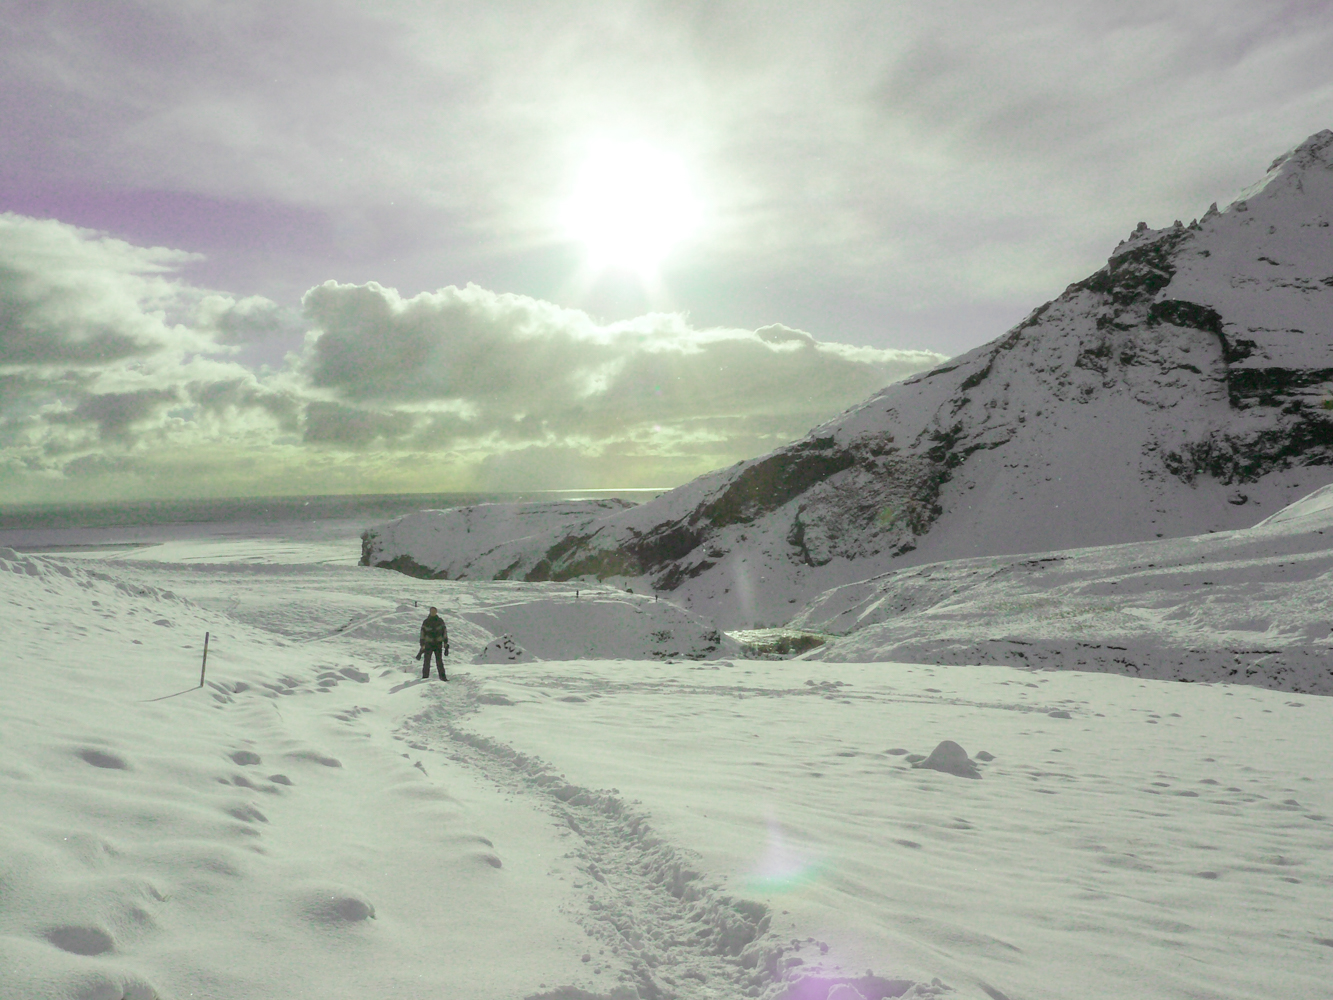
(607, 802)
(1140, 847)
(1248, 606)
(317, 820)
(482, 541)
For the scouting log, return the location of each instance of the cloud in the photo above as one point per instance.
(228, 398)
(115, 413)
(483, 370)
(906, 174)
(253, 319)
(118, 377)
(333, 423)
(109, 360)
(69, 296)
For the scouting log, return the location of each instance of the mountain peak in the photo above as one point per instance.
(1313, 151)
(1312, 159)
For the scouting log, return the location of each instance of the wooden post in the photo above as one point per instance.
(204, 666)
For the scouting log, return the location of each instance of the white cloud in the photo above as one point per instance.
(118, 377)
(516, 372)
(69, 296)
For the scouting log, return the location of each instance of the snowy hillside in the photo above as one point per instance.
(1182, 388)
(489, 541)
(318, 822)
(1248, 606)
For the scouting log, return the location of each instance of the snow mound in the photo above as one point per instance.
(950, 758)
(503, 650)
(1317, 503)
(144, 853)
(553, 622)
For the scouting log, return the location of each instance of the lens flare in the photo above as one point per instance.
(784, 868)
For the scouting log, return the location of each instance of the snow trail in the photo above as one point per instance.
(645, 902)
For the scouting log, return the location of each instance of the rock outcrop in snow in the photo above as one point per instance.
(1185, 387)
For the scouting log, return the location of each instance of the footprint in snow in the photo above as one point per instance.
(335, 906)
(80, 940)
(100, 758)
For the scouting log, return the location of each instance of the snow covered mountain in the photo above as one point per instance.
(1185, 387)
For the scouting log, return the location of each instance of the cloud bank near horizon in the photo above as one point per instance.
(118, 378)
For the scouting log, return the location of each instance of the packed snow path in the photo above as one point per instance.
(644, 902)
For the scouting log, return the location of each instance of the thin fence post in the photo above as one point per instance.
(204, 666)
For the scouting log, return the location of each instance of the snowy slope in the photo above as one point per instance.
(1178, 390)
(1248, 606)
(489, 541)
(318, 822)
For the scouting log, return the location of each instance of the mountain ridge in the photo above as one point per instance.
(1185, 386)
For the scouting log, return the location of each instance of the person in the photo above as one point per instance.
(434, 638)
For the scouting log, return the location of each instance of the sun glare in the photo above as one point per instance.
(630, 206)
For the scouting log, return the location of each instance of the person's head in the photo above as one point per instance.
(433, 610)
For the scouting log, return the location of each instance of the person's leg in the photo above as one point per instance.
(425, 663)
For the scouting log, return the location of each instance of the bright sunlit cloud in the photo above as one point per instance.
(630, 206)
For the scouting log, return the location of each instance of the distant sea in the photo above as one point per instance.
(39, 526)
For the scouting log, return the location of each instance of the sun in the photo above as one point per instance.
(631, 205)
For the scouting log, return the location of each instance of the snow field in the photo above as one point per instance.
(1127, 838)
(261, 837)
(319, 821)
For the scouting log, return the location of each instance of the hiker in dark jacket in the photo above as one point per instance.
(434, 638)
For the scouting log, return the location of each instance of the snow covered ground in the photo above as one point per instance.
(604, 817)
(1248, 606)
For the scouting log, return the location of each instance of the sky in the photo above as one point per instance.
(254, 248)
